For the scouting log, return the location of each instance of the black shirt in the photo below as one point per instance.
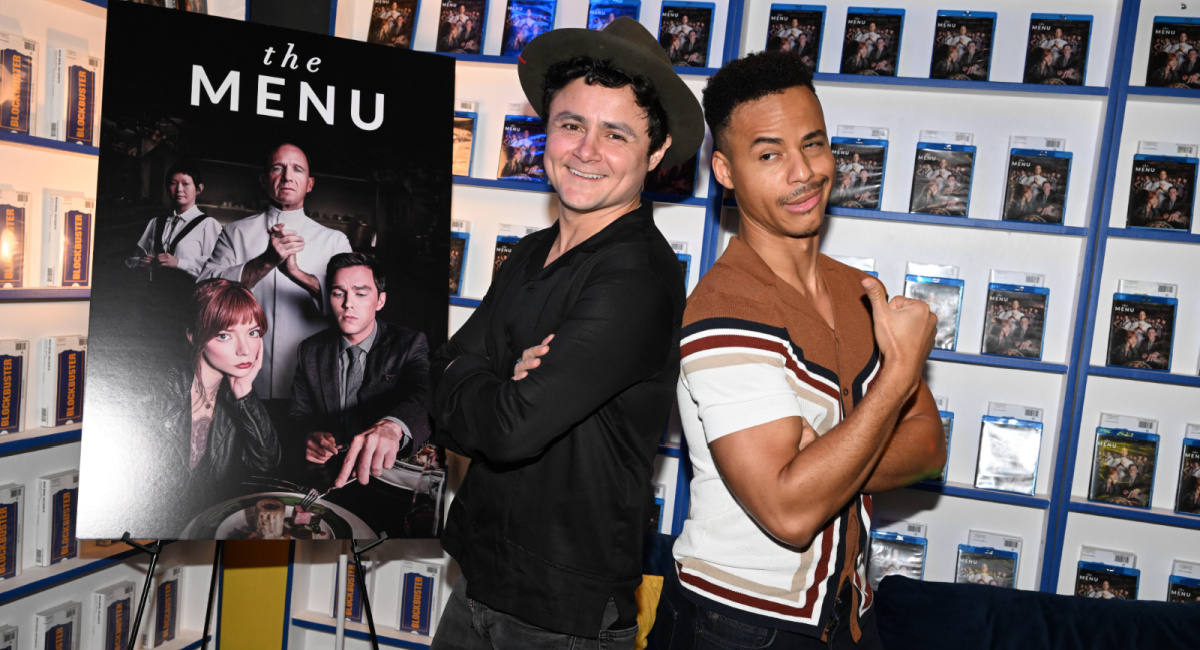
(549, 521)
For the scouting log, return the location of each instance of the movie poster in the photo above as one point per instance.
(236, 381)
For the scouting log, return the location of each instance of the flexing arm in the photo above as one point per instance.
(917, 448)
(793, 490)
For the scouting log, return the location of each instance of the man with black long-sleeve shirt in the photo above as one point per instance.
(559, 385)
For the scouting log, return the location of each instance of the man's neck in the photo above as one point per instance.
(574, 228)
(792, 259)
(299, 207)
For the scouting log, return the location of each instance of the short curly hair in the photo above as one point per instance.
(748, 79)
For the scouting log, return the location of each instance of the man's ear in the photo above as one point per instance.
(720, 167)
(657, 156)
(382, 299)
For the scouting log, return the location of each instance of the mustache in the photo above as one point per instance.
(816, 184)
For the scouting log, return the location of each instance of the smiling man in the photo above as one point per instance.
(560, 384)
(281, 255)
(800, 392)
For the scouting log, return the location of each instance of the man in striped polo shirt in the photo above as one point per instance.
(800, 391)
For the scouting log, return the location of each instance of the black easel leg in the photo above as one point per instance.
(153, 550)
(212, 590)
(362, 576)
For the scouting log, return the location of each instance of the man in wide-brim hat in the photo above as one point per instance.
(559, 386)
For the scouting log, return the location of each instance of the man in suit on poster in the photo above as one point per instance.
(281, 255)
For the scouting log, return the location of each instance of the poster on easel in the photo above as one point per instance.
(271, 234)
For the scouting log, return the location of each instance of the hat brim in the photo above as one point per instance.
(685, 118)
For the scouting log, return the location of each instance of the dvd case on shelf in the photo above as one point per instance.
(67, 241)
(61, 361)
(603, 12)
(14, 365)
(8, 637)
(1173, 61)
(979, 565)
(1016, 320)
(57, 628)
(962, 45)
(111, 616)
(1008, 454)
(942, 179)
(1184, 584)
(860, 163)
(685, 260)
(163, 608)
(658, 517)
(524, 21)
(944, 297)
(18, 83)
(522, 149)
(506, 239)
(420, 596)
(72, 101)
(1037, 185)
(1009, 543)
(685, 32)
(1162, 192)
(948, 427)
(14, 215)
(460, 238)
(58, 497)
(1058, 49)
(392, 22)
(465, 119)
(461, 26)
(1142, 331)
(1187, 494)
(12, 516)
(679, 180)
(872, 42)
(797, 29)
(1123, 467)
(895, 554)
(1096, 580)
(354, 591)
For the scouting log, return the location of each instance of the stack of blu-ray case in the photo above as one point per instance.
(392, 22)
(895, 554)
(1097, 580)
(1036, 188)
(1187, 497)
(872, 42)
(1058, 49)
(944, 297)
(962, 45)
(1142, 330)
(797, 29)
(1123, 469)
(1008, 454)
(524, 21)
(942, 179)
(685, 31)
(860, 164)
(603, 12)
(1162, 191)
(979, 565)
(1015, 321)
(1174, 61)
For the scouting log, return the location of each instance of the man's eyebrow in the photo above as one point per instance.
(620, 126)
(811, 135)
(568, 115)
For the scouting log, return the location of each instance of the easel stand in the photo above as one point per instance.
(358, 553)
(153, 550)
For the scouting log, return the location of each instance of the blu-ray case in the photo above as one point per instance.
(464, 141)
(942, 179)
(14, 371)
(1015, 321)
(1096, 580)
(797, 29)
(1009, 449)
(685, 32)
(1058, 49)
(460, 239)
(19, 73)
(392, 22)
(986, 566)
(895, 554)
(14, 219)
(1174, 61)
(872, 41)
(1036, 188)
(522, 148)
(962, 45)
(860, 167)
(1162, 192)
(524, 21)
(1142, 332)
(603, 12)
(461, 26)
(944, 297)
(1123, 467)
(1187, 494)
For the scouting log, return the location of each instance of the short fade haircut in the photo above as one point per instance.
(347, 260)
(593, 72)
(747, 79)
(188, 167)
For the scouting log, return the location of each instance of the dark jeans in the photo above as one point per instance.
(683, 625)
(470, 625)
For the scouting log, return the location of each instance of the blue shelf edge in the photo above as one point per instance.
(1145, 91)
(464, 302)
(995, 86)
(1151, 516)
(669, 450)
(546, 188)
(47, 143)
(1014, 363)
(703, 72)
(66, 576)
(45, 294)
(1157, 234)
(480, 58)
(362, 636)
(966, 492)
(1153, 376)
(56, 438)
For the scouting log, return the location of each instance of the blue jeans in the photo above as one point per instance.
(470, 625)
(683, 625)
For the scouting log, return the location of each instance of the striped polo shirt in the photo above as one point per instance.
(754, 350)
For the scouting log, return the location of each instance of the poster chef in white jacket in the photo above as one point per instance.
(281, 255)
